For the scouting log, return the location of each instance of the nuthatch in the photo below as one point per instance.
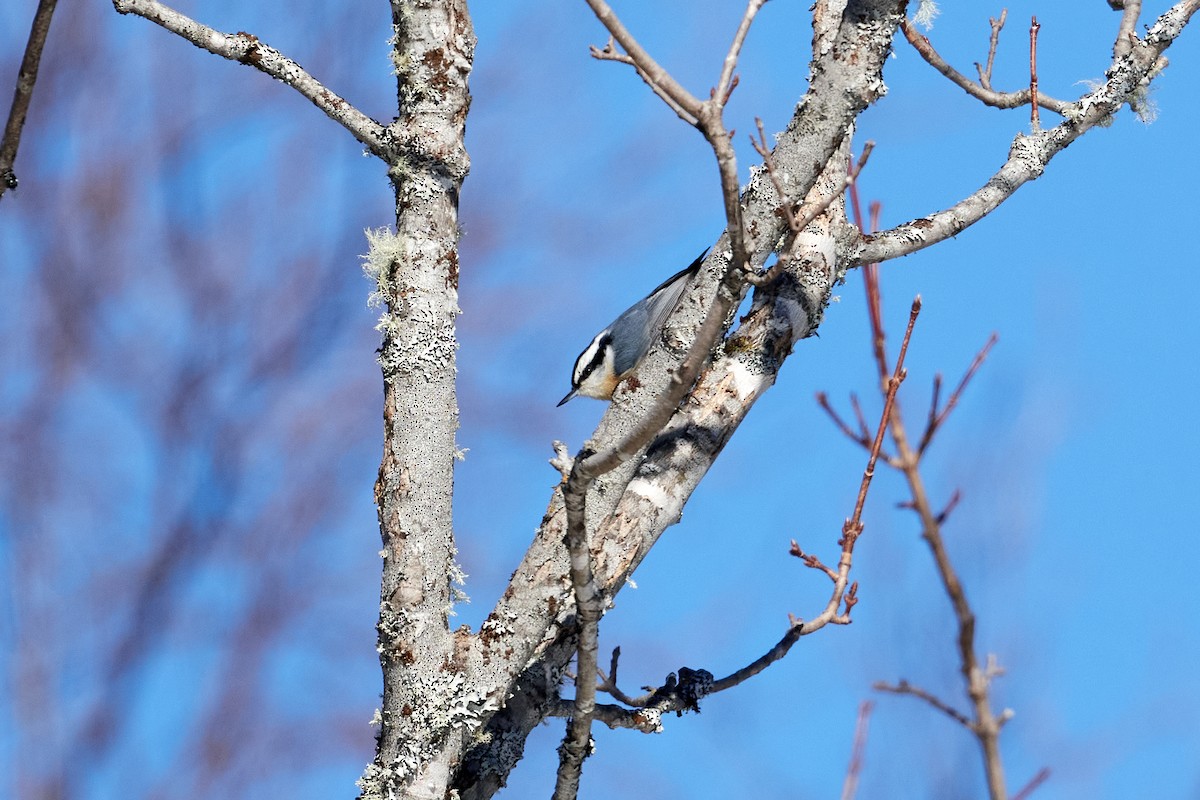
(616, 351)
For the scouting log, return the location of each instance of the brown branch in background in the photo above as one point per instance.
(1034, 121)
(1131, 10)
(904, 687)
(985, 73)
(850, 786)
(985, 724)
(982, 93)
(938, 417)
(23, 93)
(861, 437)
(1037, 780)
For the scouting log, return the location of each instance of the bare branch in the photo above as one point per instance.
(610, 53)
(985, 73)
(795, 630)
(938, 417)
(843, 591)
(1042, 774)
(23, 93)
(589, 466)
(661, 81)
(850, 786)
(985, 94)
(646, 720)
(904, 687)
(797, 224)
(728, 81)
(1029, 155)
(811, 561)
(861, 438)
(1034, 122)
(986, 724)
(247, 49)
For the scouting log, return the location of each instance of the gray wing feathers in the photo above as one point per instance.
(633, 331)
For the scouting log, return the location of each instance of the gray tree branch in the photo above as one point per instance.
(1128, 78)
(246, 48)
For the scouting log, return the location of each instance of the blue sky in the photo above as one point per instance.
(182, 292)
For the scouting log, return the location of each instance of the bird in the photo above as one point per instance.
(615, 351)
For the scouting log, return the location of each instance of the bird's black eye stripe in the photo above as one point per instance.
(597, 359)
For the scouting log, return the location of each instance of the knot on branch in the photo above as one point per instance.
(682, 692)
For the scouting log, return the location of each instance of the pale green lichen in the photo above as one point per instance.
(384, 248)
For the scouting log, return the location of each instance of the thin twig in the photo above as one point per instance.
(938, 416)
(608, 683)
(811, 561)
(247, 49)
(727, 80)
(610, 53)
(904, 687)
(850, 786)
(682, 693)
(951, 504)
(985, 73)
(857, 438)
(984, 94)
(23, 93)
(1034, 121)
(614, 716)
(1037, 780)
(858, 413)
(661, 81)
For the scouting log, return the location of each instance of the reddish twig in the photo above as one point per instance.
(1034, 121)
(951, 504)
(810, 560)
(850, 786)
(938, 416)
(858, 438)
(1037, 780)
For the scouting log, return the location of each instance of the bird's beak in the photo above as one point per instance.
(570, 394)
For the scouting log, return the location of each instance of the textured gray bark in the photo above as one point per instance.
(427, 702)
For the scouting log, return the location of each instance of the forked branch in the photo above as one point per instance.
(981, 90)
